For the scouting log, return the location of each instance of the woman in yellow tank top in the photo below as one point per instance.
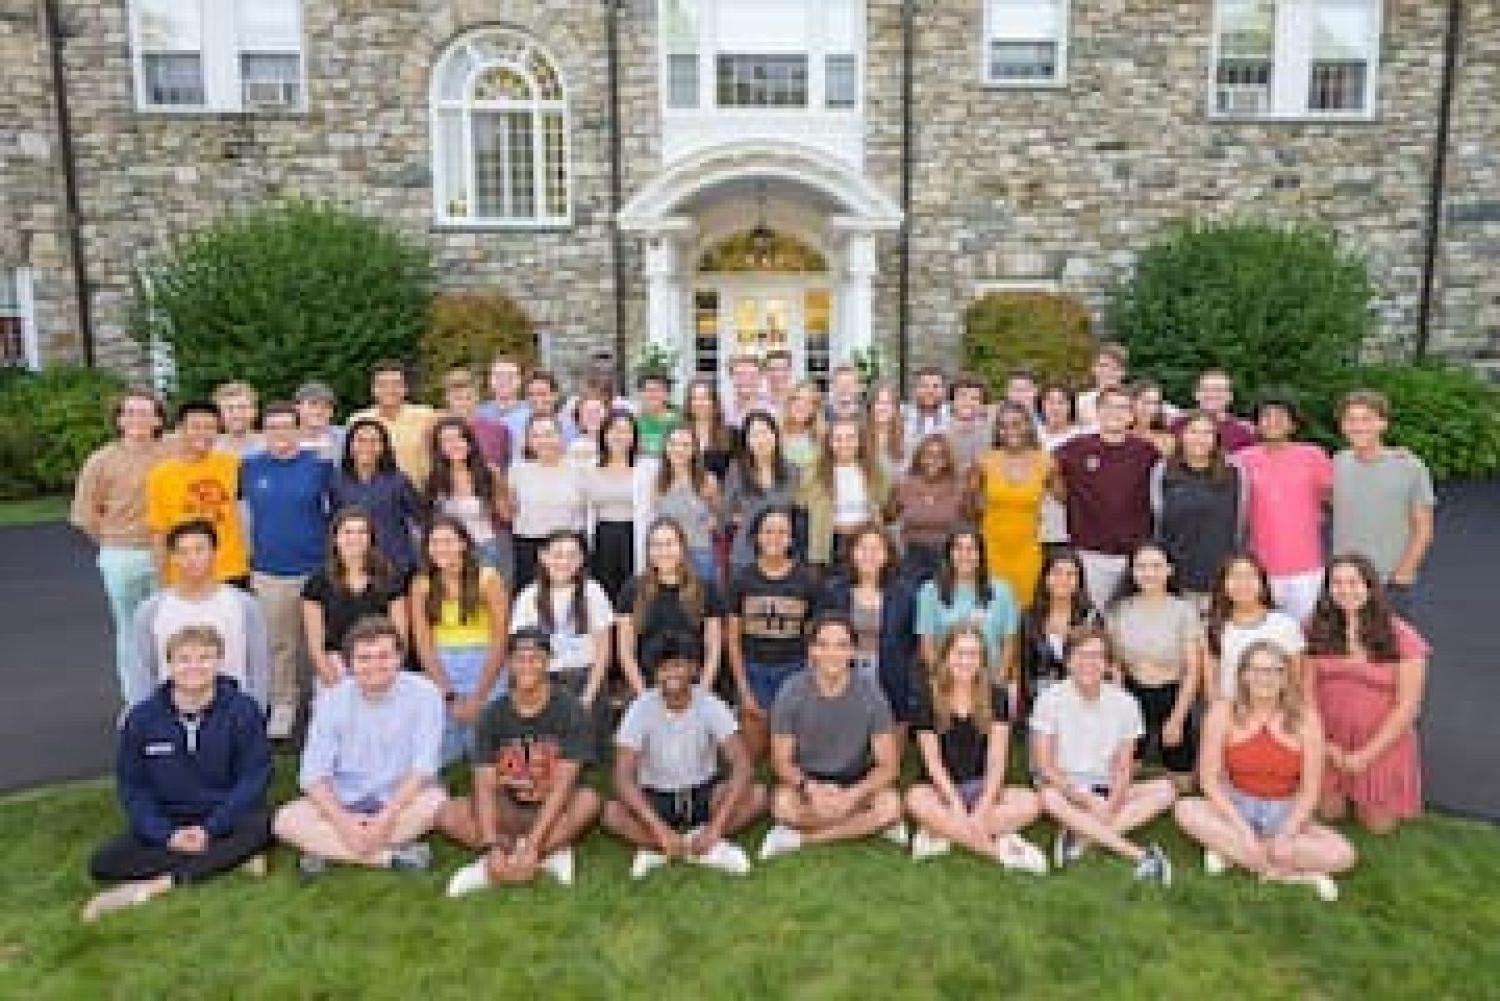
(1006, 487)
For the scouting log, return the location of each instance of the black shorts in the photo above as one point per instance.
(684, 809)
(1156, 702)
(843, 779)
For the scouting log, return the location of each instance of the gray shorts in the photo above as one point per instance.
(1266, 817)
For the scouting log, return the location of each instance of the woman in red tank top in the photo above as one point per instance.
(1260, 764)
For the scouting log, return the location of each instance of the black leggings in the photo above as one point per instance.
(1156, 702)
(127, 857)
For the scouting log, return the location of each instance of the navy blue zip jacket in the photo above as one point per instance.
(899, 671)
(169, 777)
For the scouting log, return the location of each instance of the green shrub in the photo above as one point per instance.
(468, 329)
(1449, 416)
(284, 293)
(1274, 305)
(1049, 334)
(49, 422)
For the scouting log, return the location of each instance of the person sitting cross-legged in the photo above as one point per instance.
(963, 732)
(369, 772)
(833, 750)
(192, 768)
(670, 802)
(1085, 732)
(528, 807)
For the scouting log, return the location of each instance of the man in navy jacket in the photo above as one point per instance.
(192, 769)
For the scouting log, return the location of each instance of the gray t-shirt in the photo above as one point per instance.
(1372, 503)
(832, 733)
(677, 751)
(1150, 636)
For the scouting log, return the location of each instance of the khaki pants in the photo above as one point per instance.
(281, 603)
(303, 826)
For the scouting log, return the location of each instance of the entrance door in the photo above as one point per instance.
(733, 319)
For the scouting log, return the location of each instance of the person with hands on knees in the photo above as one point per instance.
(1086, 729)
(369, 773)
(963, 732)
(527, 808)
(459, 611)
(833, 750)
(670, 801)
(1260, 767)
(192, 768)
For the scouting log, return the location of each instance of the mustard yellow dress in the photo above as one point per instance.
(1011, 521)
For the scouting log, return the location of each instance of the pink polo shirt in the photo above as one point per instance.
(1288, 487)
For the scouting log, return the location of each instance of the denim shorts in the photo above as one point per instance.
(1265, 816)
(766, 680)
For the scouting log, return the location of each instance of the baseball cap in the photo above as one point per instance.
(529, 639)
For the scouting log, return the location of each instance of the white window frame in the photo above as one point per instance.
(537, 107)
(1059, 78)
(816, 50)
(31, 354)
(1291, 64)
(219, 60)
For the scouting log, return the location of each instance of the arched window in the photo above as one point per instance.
(499, 133)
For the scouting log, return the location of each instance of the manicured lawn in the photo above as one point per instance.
(1420, 918)
(33, 511)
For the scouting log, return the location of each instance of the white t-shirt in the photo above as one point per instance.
(678, 751)
(1278, 627)
(222, 610)
(851, 501)
(1088, 732)
(571, 650)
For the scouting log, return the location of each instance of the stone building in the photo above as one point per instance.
(733, 175)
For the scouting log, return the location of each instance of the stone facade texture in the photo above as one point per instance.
(1062, 185)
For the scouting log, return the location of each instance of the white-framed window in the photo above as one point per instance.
(218, 55)
(18, 342)
(1295, 58)
(500, 139)
(771, 54)
(1025, 43)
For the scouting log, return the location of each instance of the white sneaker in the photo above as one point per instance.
(283, 718)
(725, 856)
(255, 866)
(897, 834)
(1019, 854)
(644, 862)
(780, 841)
(1213, 863)
(559, 865)
(925, 845)
(471, 878)
(1324, 886)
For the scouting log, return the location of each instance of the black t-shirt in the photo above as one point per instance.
(666, 612)
(342, 609)
(774, 612)
(529, 747)
(965, 748)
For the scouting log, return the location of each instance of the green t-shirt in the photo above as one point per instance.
(654, 428)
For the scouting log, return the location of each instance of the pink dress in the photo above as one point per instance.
(1354, 698)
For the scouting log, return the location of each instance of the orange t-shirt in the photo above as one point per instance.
(180, 490)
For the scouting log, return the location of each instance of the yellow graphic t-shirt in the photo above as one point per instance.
(181, 490)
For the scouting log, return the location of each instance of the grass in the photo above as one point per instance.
(1420, 917)
(33, 510)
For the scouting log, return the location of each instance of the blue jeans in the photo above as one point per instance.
(705, 564)
(129, 577)
(766, 680)
(464, 665)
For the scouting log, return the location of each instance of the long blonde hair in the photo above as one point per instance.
(1290, 706)
(814, 425)
(943, 681)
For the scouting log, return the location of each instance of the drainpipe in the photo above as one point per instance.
(908, 41)
(616, 183)
(52, 24)
(1436, 194)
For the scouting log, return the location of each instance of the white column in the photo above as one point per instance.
(666, 291)
(856, 296)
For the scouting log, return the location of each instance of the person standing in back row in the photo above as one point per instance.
(198, 483)
(1382, 498)
(408, 424)
(1105, 480)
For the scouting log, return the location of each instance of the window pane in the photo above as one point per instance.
(682, 81)
(268, 24)
(548, 86)
(453, 76)
(271, 80)
(12, 341)
(1243, 86)
(680, 25)
(453, 182)
(1247, 28)
(1343, 30)
(1025, 19)
(522, 165)
(173, 79)
(840, 81)
(501, 83)
(1337, 86)
(170, 25)
(10, 294)
(706, 330)
(754, 81)
(1023, 60)
(556, 162)
(489, 166)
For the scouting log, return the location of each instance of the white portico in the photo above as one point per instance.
(760, 245)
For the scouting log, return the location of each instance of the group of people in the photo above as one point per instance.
(529, 586)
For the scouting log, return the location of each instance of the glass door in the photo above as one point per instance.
(755, 322)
